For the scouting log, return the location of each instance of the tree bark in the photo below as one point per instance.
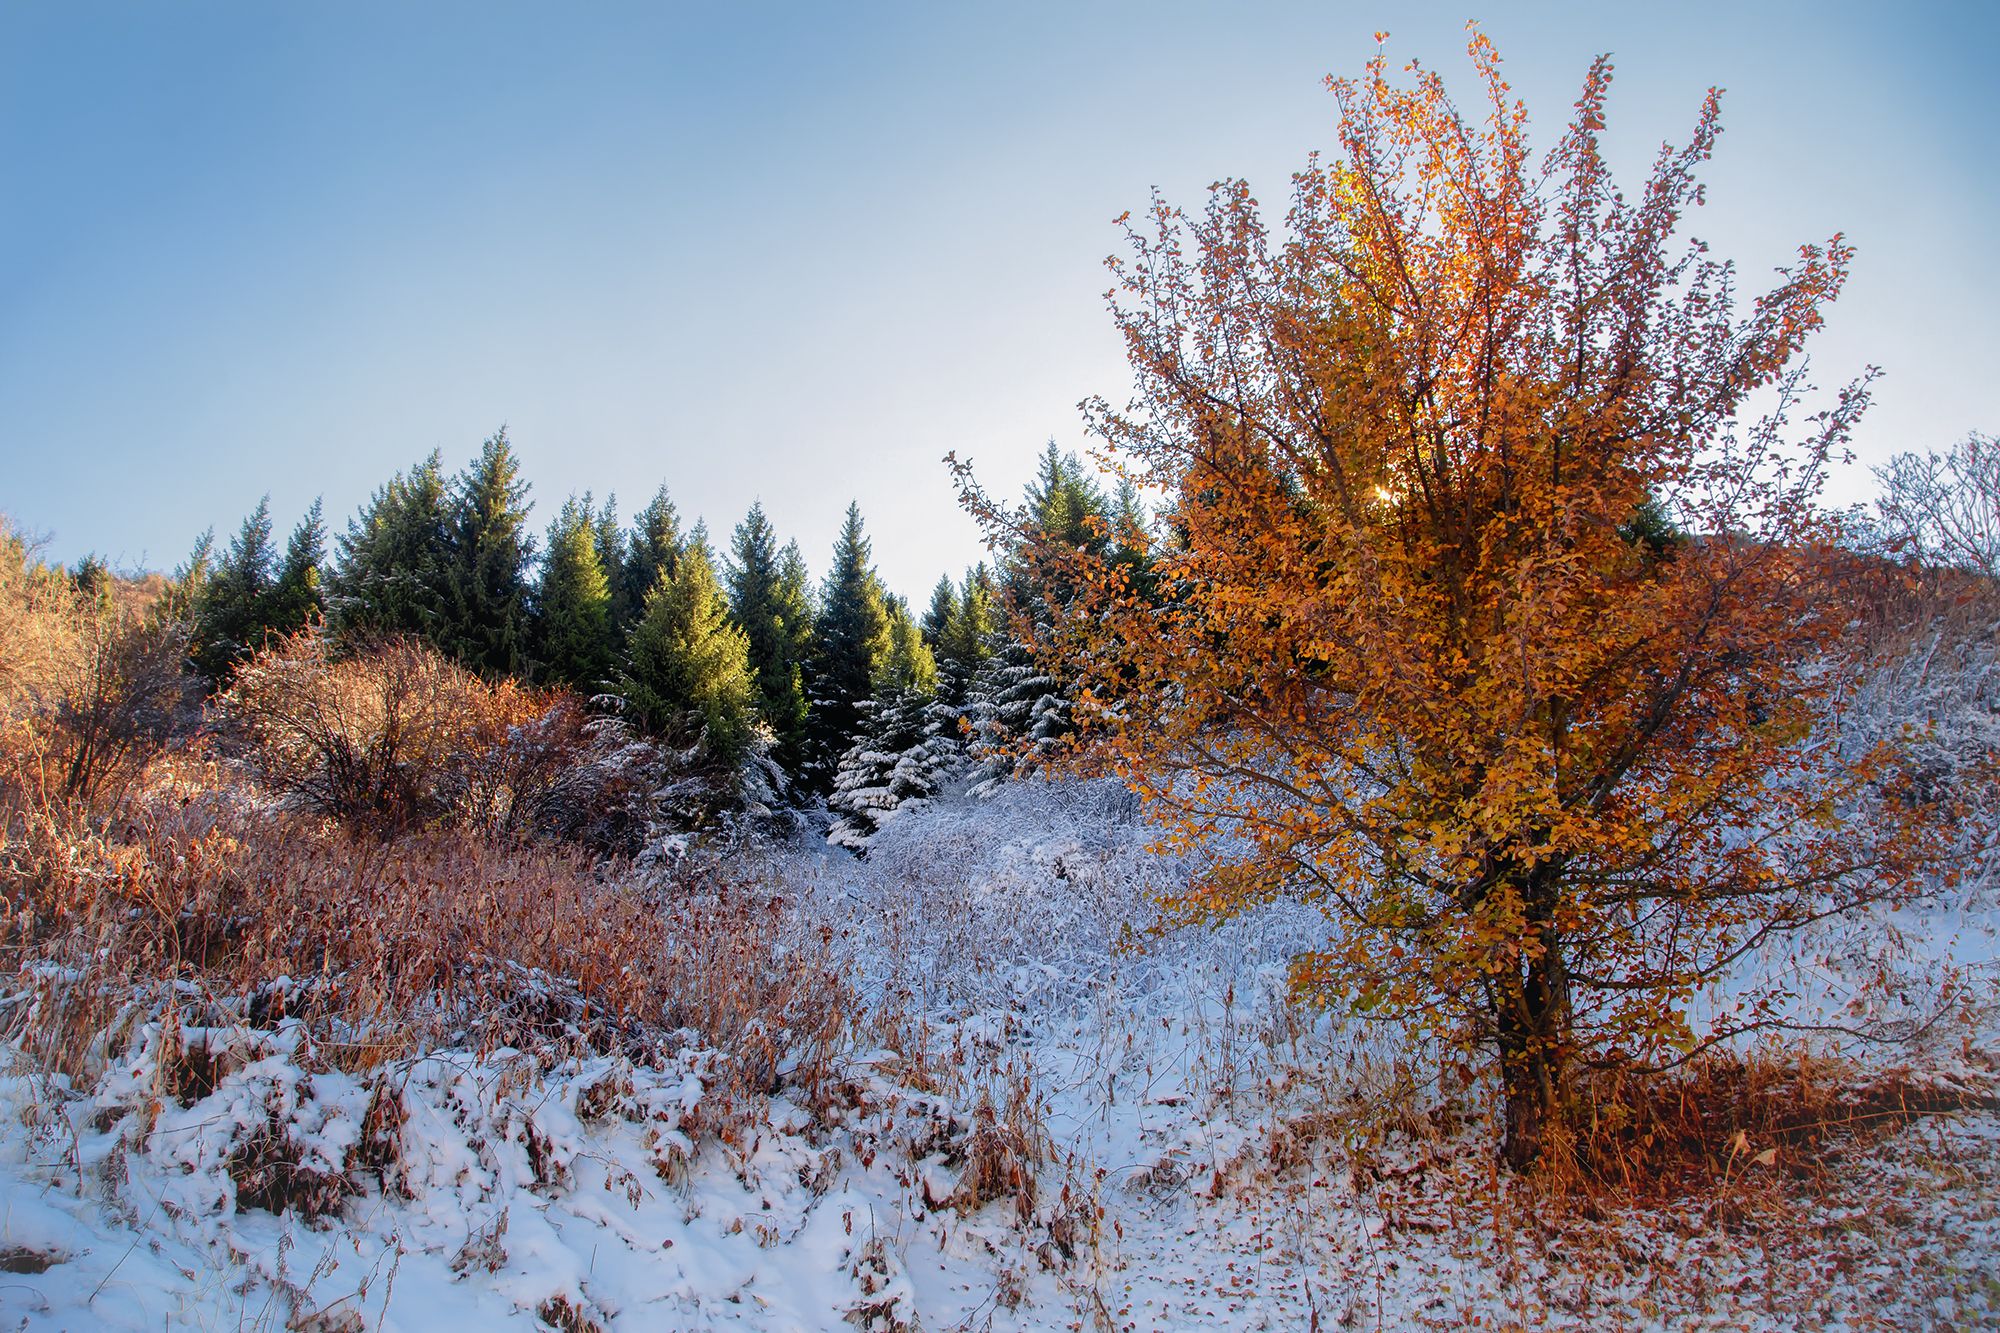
(1532, 1025)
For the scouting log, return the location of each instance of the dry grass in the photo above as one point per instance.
(385, 849)
(439, 937)
(1777, 1121)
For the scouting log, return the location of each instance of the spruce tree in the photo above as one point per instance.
(907, 662)
(892, 764)
(184, 586)
(92, 578)
(697, 540)
(573, 603)
(1017, 708)
(686, 676)
(1065, 498)
(395, 561)
(1132, 539)
(298, 597)
(850, 639)
(965, 639)
(938, 615)
(651, 549)
(773, 616)
(610, 540)
(229, 614)
(959, 630)
(486, 614)
(894, 759)
(795, 594)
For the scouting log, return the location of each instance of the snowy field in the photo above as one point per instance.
(1054, 1117)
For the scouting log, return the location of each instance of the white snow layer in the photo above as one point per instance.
(1186, 1149)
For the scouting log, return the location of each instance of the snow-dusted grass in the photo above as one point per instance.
(1045, 1113)
(1259, 1166)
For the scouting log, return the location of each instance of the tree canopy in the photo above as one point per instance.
(1407, 655)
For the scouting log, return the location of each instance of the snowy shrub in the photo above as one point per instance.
(1945, 507)
(895, 764)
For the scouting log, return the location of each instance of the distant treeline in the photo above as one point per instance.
(840, 690)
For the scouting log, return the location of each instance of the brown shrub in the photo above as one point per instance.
(90, 686)
(400, 738)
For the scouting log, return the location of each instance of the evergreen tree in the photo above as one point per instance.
(573, 603)
(486, 614)
(687, 669)
(1128, 516)
(92, 578)
(893, 763)
(395, 560)
(938, 616)
(774, 617)
(1131, 538)
(895, 758)
(906, 662)
(697, 540)
(966, 638)
(960, 631)
(795, 593)
(651, 550)
(229, 614)
(1018, 710)
(850, 639)
(184, 586)
(1064, 499)
(298, 597)
(610, 541)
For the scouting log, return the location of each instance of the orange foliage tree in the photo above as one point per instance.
(1484, 614)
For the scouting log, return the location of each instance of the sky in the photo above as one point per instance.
(797, 253)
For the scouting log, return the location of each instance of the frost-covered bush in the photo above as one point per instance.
(895, 765)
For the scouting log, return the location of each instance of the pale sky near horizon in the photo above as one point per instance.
(798, 253)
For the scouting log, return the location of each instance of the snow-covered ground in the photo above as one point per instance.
(1054, 1117)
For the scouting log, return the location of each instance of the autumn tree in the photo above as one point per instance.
(1410, 659)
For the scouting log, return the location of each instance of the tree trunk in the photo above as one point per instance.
(1532, 1024)
(1530, 1070)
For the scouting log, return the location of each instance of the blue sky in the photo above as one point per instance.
(797, 253)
